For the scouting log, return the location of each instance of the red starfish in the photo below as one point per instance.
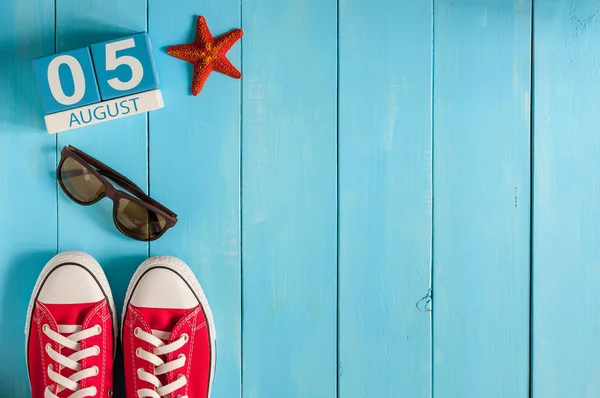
(207, 53)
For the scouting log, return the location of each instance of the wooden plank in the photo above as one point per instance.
(384, 198)
(195, 170)
(120, 144)
(289, 199)
(566, 218)
(481, 185)
(27, 189)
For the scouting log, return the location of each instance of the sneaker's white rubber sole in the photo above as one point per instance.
(77, 258)
(184, 271)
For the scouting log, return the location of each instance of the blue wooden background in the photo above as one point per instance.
(374, 149)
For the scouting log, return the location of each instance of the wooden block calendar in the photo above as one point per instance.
(105, 81)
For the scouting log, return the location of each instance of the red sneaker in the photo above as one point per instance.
(70, 330)
(168, 333)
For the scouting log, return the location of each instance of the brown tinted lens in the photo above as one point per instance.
(139, 222)
(82, 184)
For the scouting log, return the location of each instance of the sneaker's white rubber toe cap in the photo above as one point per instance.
(162, 287)
(70, 284)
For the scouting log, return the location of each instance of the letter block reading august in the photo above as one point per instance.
(103, 82)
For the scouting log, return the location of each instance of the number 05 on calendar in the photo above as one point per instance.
(99, 83)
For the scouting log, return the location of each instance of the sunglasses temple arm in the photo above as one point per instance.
(125, 182)
(134, 189)
(120, 180)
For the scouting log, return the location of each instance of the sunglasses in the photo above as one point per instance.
(86, 180)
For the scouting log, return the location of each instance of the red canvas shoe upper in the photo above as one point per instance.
(168, 333)
(70, 330)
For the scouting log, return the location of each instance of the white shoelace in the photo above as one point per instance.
(72, 361)
(157, 339)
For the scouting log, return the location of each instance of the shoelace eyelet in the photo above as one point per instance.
(185, 337)
(181, 356)
(110, 393)
(48, 348)
(99, 329)
(137, 331)
(45, 327)
(97, 350)
(96, 370)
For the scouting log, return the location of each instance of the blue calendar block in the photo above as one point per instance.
(121, 81)
(125, 66)
(67, 80)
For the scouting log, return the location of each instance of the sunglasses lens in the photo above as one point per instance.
(139, 222)
(80, 183)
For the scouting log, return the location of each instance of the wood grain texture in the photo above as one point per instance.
(27, 190)
(289, 199)
(566, 222)
(384, 198)
(121, 144)
(195, 170)
(482, 55)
